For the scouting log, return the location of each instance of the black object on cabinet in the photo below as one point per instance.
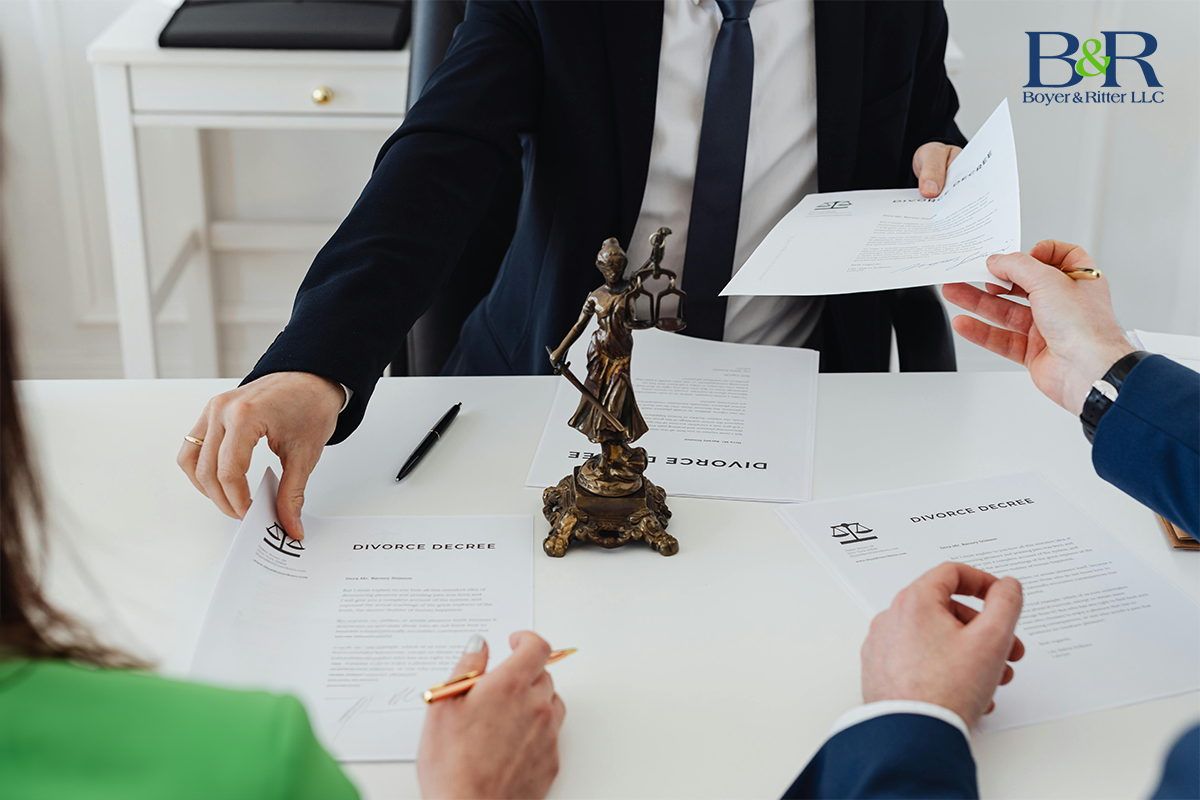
(290, 24)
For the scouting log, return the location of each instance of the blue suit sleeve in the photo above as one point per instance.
(1148, 443)
(1181, 774)
(897, 755)
(433, 182)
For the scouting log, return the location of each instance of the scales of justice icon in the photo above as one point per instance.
(282, 542)
(608, 500)
(851, 532)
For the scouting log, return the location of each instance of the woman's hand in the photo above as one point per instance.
(297, 412)
(499, 740)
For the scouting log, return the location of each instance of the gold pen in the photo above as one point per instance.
(462, 683)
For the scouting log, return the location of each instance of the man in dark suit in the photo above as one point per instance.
(930, 669)
(715, 115)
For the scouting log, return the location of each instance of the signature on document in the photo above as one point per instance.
(407, 698)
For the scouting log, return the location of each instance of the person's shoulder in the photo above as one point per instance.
(149, 734)
(69, 683)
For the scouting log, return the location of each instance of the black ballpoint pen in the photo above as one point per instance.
(430, 439)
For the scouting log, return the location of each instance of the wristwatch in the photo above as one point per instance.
(1104, 392)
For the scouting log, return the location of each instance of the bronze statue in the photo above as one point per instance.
(608, 500)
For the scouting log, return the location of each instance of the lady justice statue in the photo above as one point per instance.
(608, 500)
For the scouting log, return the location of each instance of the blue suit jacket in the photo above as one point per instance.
(1148, 445)
(562, 95)
(911, 755)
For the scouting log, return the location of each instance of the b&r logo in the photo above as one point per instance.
(1091, 62)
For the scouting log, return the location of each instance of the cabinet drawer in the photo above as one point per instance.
(266, 90)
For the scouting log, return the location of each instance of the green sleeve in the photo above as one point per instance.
(312, 772)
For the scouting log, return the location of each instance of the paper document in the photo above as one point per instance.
(864, 241)
(1101, 628)
(733, 421)
(364, 615)
(1175, 346)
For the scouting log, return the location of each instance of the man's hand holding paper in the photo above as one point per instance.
(864, 241)
(928, 647)
(1076, 337)
(930, 163)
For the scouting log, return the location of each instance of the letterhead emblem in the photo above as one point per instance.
(833, 205)
(279, 540)
(851, 532)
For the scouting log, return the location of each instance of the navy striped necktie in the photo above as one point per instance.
(720, 166)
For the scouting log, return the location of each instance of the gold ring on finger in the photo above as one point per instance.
(193, 440)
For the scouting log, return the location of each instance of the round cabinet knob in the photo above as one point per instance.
(322, 95)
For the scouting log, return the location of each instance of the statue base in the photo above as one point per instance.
(575, 513)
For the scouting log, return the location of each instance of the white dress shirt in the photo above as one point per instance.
(781, 151)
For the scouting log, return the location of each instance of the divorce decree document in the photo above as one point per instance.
(865, 241)
(1101, 628)
(363, 615)
(730, 421)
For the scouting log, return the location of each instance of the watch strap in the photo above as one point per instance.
(1104, 392)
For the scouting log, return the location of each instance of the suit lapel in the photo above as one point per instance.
(838, 27)
(633, 34)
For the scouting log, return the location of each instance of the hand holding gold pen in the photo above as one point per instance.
(461, 684)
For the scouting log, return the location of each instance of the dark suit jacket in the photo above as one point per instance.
(574, 85)
(914, 756)
(897, 755)
(1147, 445)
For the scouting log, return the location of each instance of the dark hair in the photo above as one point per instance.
(30, 626)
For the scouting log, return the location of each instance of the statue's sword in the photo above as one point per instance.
(564, 370)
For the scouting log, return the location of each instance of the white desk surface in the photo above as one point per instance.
(660, 697)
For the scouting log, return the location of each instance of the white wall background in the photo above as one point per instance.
(1122, 180)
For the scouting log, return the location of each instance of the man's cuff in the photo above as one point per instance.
(349, 393)
(883, 707)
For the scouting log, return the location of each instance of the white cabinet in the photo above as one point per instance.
(139, 85)
(269, 90)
